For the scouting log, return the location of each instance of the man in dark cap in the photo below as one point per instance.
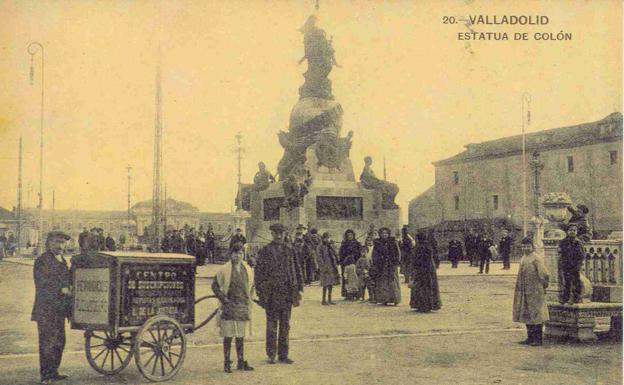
(52, 305)
(279, 283)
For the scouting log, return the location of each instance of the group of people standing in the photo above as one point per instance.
(94, 240)
(200, 244)
(480, 250)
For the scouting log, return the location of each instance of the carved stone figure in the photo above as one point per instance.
(263, 178)
(370, 181)
(295, 188)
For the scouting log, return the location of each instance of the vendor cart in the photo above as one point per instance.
(135, 304)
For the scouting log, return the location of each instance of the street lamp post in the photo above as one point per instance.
(33, 48)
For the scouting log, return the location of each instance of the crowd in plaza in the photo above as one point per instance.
(201, 244)
(275, 279)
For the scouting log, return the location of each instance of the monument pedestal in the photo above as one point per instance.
(334, 203)
(578, 321)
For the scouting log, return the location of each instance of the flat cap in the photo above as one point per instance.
(59, 234)
(277, 228)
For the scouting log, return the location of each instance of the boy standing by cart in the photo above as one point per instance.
(52, 305)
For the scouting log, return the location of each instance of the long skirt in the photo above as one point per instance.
(387, 287)
(425, 294)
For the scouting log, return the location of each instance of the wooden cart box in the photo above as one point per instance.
(119, 291)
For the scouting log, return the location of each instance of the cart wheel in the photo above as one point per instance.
(159, 348)
(108, 353)
(211, 308)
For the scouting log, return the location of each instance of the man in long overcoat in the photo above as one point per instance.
(279, 283)
(52, 305)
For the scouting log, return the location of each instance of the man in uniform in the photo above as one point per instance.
(571, 256)
(279, 282)
(52, 305)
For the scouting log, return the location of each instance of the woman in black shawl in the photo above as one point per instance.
(425, 295)
(386, 260)
(350, 247)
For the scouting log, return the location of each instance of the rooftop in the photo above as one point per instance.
(604, 130)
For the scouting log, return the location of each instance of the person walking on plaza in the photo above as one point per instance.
(52, 305)
(350, 247)
(571, 257)
(233, 285)
(471, 241)
(407, 246)
(425, 294)
(328, 270)
(504, 249)
(455, 252)
(529, 305)
(485, 255)
(278, 285)
(386, 260)
(209, 245)
(313, 244)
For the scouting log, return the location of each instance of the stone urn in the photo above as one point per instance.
(555, 210)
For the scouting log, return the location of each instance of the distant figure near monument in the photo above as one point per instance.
(370, 181)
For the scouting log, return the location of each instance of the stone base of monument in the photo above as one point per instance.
(334, 203)
(577, 322)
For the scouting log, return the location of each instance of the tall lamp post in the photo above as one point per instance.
(33, 48)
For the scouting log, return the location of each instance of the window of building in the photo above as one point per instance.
(456, 177)
(570, 164)
(456, 198)
(612, 157)
(495, 202)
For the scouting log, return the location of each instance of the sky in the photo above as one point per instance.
(411, 91)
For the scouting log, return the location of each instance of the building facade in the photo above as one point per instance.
(485, 182)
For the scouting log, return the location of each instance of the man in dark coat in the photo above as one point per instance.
(455, 252)
(52, 305)
(470, 243)
(279, 282)
(579, 218)
(209, 245)
(571, 257)
(485, 255)
(504, 249)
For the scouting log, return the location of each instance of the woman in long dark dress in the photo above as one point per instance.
(425, 294)
(386, 260)
(349, 247)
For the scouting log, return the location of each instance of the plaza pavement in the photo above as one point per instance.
(471, 340)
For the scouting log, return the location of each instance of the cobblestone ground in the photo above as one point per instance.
(471, 340)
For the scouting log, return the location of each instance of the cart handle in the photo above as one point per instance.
(210, 317)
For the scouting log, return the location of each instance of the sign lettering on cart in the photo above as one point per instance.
(152, 289)
(91, 296)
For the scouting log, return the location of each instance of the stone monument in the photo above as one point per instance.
(316, 184)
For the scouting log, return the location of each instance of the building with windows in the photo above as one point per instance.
(483, 185)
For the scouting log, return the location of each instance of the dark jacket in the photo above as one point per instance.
(278, 277)
(504, 246)
(572, 253)
(484, 247)
(455, 250)
(50, 277)
(237, 238)
(351, 248)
